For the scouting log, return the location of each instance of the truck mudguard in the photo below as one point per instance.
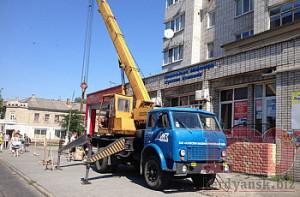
(157, 150)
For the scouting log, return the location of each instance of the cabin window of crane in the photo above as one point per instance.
(123, 105)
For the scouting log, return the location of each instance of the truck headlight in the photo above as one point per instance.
(223, 154)
(182, 153)
(184, 168)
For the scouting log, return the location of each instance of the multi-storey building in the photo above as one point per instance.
(202, 27)
(238, 53)
(37, 117)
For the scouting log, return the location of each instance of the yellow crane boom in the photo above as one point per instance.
(125, 57)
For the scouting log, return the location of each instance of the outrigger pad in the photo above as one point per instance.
(85, 181)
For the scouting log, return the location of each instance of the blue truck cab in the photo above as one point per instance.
(182, 142)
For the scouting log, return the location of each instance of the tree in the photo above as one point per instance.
(78, 100)
(76, 121)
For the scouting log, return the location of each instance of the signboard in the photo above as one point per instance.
(240, 112)
(188, 73)
(296, 110)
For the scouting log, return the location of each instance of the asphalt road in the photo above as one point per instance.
(12, 186)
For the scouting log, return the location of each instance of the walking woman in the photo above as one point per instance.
(1, 141)
(15, 144)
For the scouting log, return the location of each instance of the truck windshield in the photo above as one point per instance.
(192, 120)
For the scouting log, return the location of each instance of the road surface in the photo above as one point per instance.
(11, 185)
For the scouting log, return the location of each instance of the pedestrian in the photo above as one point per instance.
(6, 140)
(22, 140)
(15, 144)
(1, 141)
(27, 142)
(73, 138)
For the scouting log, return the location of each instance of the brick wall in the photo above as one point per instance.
(252, 158)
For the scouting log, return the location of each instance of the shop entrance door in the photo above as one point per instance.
(269, 115)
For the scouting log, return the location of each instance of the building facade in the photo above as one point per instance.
(241, 55)
(37, 117)
(202, 27)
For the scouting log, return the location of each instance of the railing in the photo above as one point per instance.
(249, 133)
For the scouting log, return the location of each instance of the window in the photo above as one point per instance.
(226, 115)
(13, 116)
(186, 120)
(174, 102)
(47, 117)
(60, 133)
(211, 19)
(265, 107)
(151, 120)
(243, 6)
(123, 105)
(240, 93)
(270, 90)
(226, 95)
(286, 13)
(234, 107)
(176, 24)
(245, 34)
(36, 117)
(173, 55)
(170, 2)
(210, 50)
(163, 121)
(40, 133)
(56, 118)
(191, 120)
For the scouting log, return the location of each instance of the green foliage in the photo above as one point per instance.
(76, 121)
(78, 100)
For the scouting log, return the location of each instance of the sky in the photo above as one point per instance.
(42, 45)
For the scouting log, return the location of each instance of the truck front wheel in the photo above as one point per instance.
(154, 176)
(203, 180)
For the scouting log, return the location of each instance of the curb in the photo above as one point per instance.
(31, 182)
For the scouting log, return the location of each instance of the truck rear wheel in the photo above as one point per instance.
(154, 176)
(101, 166)
(203, 180)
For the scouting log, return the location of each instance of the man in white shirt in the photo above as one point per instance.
(6, 140)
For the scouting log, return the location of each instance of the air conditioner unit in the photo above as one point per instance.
(202, 94)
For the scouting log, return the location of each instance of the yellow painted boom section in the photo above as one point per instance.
(129, 66)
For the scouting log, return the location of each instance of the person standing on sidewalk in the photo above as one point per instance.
(15, 144)
(27, 142)
(1, 141)
(6, 141)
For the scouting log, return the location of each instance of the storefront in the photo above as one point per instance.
(251, 87)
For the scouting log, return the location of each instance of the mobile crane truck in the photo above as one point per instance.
(161, 142)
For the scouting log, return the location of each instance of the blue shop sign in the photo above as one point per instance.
(189, 73)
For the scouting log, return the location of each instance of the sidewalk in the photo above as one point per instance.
(127, 182)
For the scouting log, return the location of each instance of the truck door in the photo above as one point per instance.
(163, 134)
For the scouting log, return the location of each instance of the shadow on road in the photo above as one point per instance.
(174, 186)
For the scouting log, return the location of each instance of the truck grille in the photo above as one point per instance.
(203, 153)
